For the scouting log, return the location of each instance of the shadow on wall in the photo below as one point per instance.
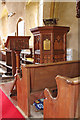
(76, 55)
(69, 38)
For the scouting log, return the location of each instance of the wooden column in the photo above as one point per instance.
(13, 63)
(18, 61)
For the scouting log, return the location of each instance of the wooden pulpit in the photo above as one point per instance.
(50, 43)
(16, 44)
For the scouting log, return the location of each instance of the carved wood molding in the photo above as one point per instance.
(78, 9)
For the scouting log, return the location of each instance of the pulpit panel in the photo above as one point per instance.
(50, 43)
(59, 44)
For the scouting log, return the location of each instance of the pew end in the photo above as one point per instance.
(65, 105)
(35, 78)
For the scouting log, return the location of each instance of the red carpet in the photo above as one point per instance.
(7, 109)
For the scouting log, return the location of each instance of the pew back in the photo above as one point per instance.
(42, 76)
(36, 78)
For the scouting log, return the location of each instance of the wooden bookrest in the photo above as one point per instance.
(35, 78)
(65, 104)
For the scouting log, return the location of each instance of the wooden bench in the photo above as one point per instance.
(35, 78)
(26, 56)
(2, 55)
(65, 105)
(7, 63)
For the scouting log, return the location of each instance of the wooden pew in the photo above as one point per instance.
(35, 78)
(65, 105)
(2, 55)
(26, 56)
(6, 61)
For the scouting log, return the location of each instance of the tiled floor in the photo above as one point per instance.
(6, 87)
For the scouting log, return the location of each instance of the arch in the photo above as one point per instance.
(20, 23)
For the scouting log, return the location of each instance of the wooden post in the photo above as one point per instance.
(17, 71)
(13, 62)
(16, 44)
(18, 61)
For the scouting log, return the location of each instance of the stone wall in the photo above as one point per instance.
(33, 14)
(66, 12)
(32, 19)
(8, 25)
(67, 17)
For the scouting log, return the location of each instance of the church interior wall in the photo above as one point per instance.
(67, 17)
(66, 13)
(33, 16)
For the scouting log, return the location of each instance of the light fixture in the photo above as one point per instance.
(11, 14)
